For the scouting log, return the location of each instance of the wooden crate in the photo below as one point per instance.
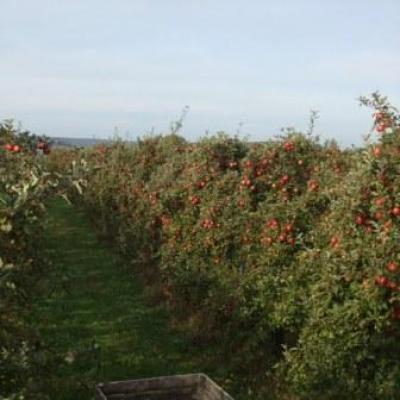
(178, 387)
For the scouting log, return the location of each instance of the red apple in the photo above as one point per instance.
(334, 241)
(392, 266)
(380, 127)
(377, 151)
(273, 224)
(195, 200)
(289, 146)
(381, 280)
(360, 219)
(396, 211)
(201, 184)
(282, 237)
(313, 185)
(284, 179)
(289, 228)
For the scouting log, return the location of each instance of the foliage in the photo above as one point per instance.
(24, 187)
(284, 252)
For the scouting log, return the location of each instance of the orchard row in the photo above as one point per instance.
(25, 186)
(284, 252)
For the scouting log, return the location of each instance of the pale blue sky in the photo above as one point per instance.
(82, 67)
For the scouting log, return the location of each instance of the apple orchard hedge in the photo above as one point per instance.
(24, 186)
(286, 252)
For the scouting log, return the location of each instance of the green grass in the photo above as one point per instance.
(92, 311)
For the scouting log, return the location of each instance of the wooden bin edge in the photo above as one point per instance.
(201, 379)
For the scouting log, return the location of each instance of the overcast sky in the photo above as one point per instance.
(82, 67)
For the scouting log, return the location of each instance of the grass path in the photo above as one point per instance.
(92, 311)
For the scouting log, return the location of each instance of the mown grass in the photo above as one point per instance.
(93, 313)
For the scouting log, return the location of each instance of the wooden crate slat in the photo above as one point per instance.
(162, 383)
(177, 387)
